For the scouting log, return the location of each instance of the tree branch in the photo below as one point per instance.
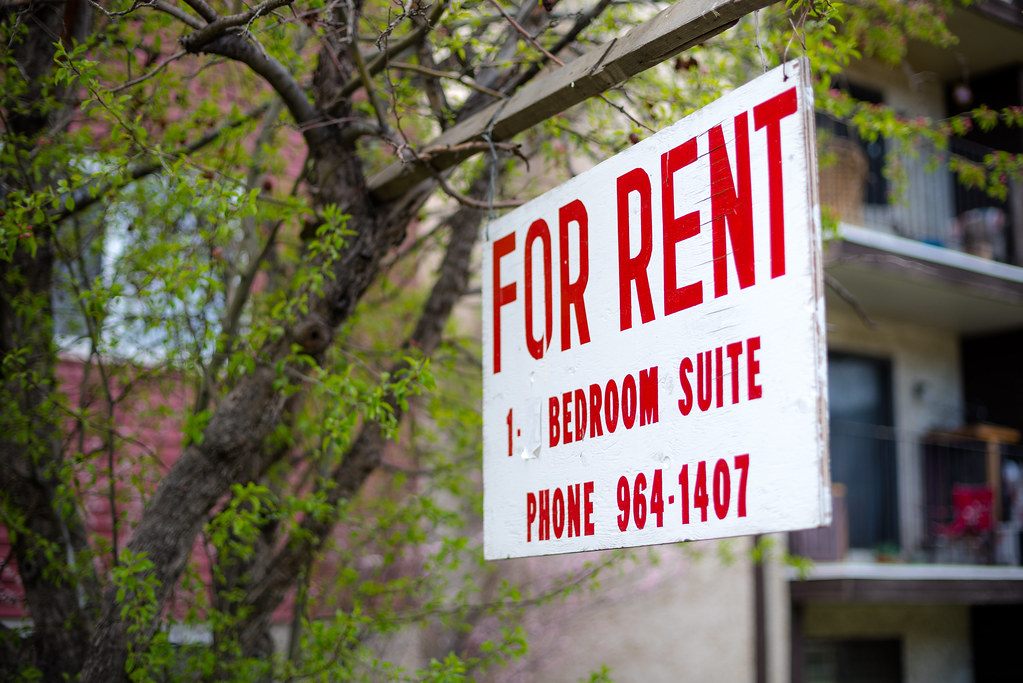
(581, 23)
(371, 91)
(406, 66)
(203, 10)
(90, 193)
(237, 47)
(467, 201)
(273, 576)
(177, 13)
(150, 74)
(535, 43)
(435, 94)
(193, 42)
(678, 27)
(379, 61)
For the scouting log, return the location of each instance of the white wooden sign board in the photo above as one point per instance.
(654, 353)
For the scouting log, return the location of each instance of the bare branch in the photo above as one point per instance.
(371, 92)
(435, 94)
(280, 79)
(465, 200)
(678, 27)
(581, 23)
(145, 77)
(203, 10)
(557, 61)
(160, 5)
(194, 42)
(177, 13)
(469, 83)
(848, 297)
(525, 34)
(515, 148)
(377, 64)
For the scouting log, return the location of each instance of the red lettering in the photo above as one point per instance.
(734, 350)
(595, 427)
(648, 396)
(703, 379)
(753, 368)
(566, 412)
(572, 292)
(722, 488)
(530, 515)
(553, 417)
(677, 229)
(629, 401)
(611, 406)
(573, 510)
(742, 464)
(710, 376)
(588, 527)
(580, 414)
(559, 509)
(544, 514)
(769, 114)
(719, 375)
(558, 513)
(633, 269)
(685, 404)
(600, 407)
(538, 230)
(700, 498)
(732, 211)
(502, 295)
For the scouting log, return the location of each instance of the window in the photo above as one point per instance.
(863, 447)
(852, 661)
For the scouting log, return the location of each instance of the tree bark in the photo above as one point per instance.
(46, 529)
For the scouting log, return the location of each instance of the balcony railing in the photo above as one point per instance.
(972, 502)
(973, 495)
(917, 195)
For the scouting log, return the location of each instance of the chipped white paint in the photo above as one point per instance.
(606, 420)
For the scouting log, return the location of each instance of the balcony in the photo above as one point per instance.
(972, 501)
(973, 495)
(970, 551)
(918, 197)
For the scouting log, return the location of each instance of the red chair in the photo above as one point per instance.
(972, 507)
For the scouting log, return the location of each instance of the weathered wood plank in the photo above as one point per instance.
(679, 27)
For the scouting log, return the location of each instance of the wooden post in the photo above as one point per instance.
(677, 28)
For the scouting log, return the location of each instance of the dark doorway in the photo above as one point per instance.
(853, 661)
(863, 447)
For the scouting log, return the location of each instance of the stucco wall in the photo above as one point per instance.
(686, 618)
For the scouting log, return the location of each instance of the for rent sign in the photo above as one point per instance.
(654, 339)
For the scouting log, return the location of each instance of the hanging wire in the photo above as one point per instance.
(798, 31)
(492, 191)
(760, 46)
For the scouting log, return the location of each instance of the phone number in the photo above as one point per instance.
(718, 486)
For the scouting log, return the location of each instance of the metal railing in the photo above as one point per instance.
(973, 493)
(913, 193)
(971, 501)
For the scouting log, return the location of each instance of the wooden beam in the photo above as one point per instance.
(679, 27)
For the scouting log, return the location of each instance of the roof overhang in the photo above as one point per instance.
(883, 275)
(990, 36)
(908, 584)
